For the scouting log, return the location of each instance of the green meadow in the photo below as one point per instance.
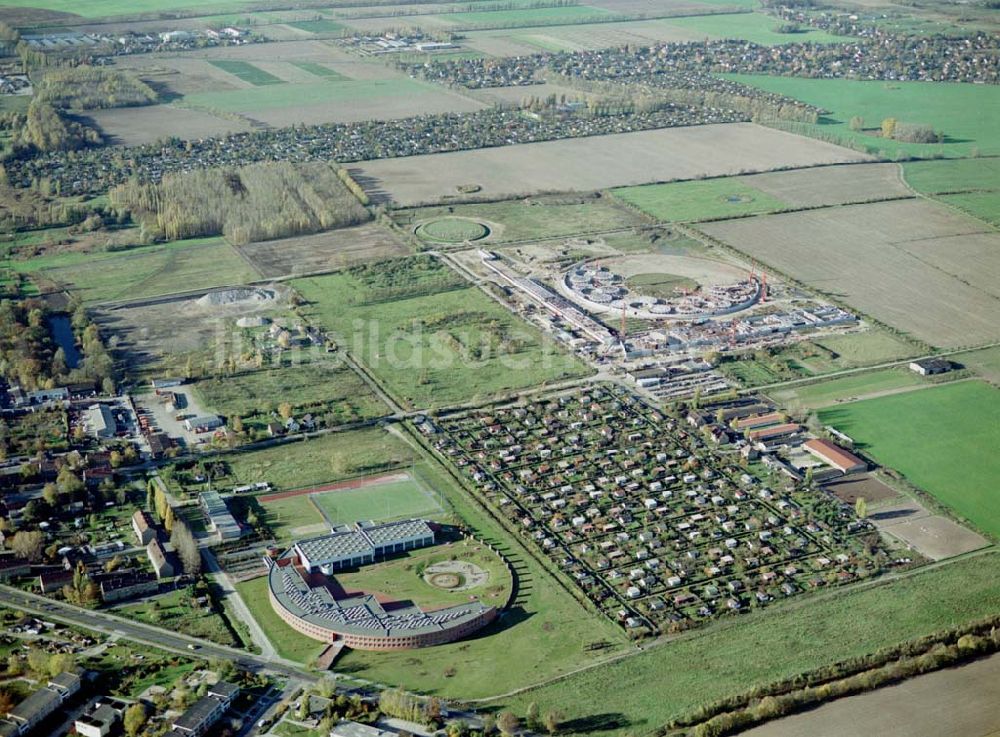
(967, 114)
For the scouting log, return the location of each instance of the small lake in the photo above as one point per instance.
(62, 334)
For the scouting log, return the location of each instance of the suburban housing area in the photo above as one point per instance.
(478, 369)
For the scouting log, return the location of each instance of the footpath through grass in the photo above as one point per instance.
(944, 440)
(643, 692)
(287, 642)
(967, 114)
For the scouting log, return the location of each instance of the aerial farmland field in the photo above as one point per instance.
(707, 199)
(152, 270)
(755, 27)
(962, 112)
(915, 265)
(335, 249)
(942, 439)
(590, 163)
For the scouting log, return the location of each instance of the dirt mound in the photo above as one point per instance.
(240, 295)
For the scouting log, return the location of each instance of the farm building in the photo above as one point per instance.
(931, 366)
(833, 455)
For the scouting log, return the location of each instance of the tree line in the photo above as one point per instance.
(92, 88)
(251, 203)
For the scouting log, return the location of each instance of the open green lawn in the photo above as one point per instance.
(439, 348)
(985, 362)
(953, 175)
(983, 205)
(325, 388)
(318, 70)
(640, 693)
(401, 578)
(967, 114)
(149, 271)
(518, 18)
(246, 71)
(825, 393)
(870, 347)
(707, 199)
(287, 642)
(100, 8)
(324, 25)
(544, 635)
(535, 219)
(329, 457)
(972, 185)
(291, 95)
(393, 500)
(175, 611)
(293, 517)
(755, 27)
(944, 440)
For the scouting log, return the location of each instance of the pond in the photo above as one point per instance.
(62, 334)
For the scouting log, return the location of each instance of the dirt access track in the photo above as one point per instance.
(596, 162)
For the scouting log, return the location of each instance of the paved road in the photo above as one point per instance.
(233, 597)
(956, 702)
(146, 634)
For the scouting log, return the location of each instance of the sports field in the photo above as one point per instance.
(944, 440)
(707, 199)
(755, 27)
(392, 500)
(293, 516)
(967, 114)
